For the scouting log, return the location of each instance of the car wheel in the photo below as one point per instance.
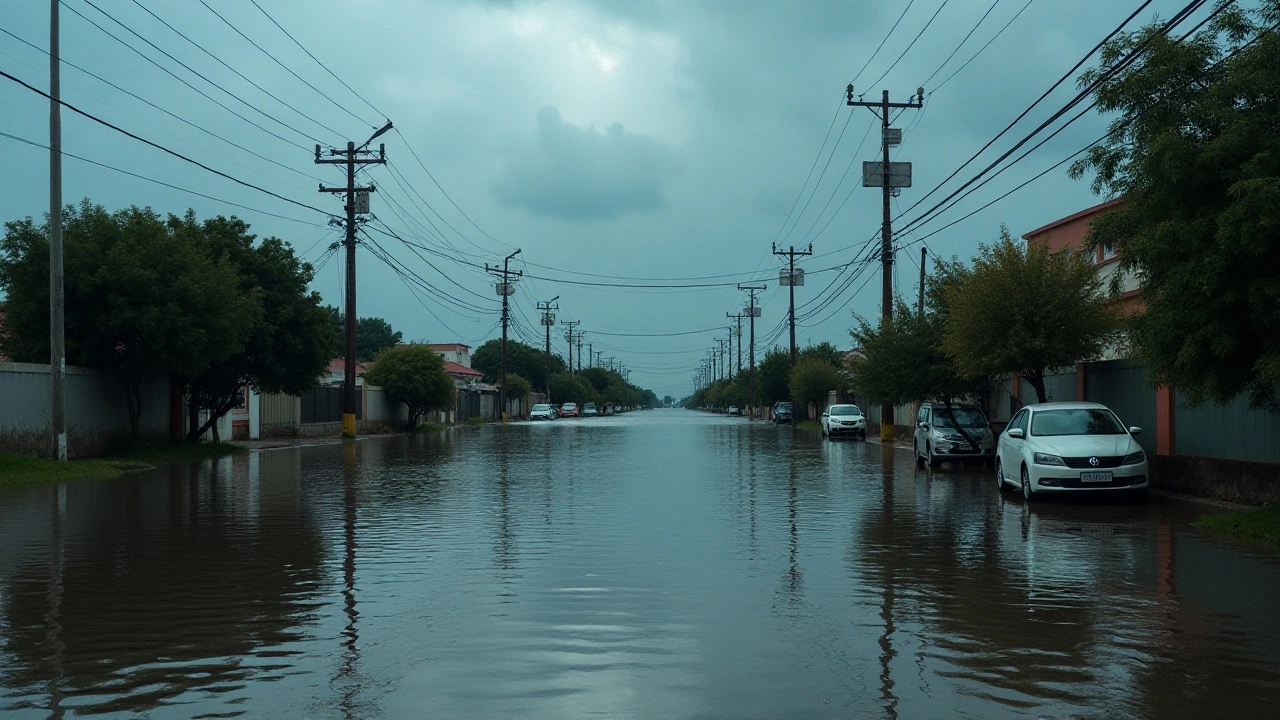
(1000, 483)
(915, 447)
(1027, 493)
(933, 461)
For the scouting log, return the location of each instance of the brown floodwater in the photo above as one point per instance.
(660, 564)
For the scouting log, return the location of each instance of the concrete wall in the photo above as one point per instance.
(97, 416)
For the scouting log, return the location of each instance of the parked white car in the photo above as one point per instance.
(844, 420)
(542, 411)
(1070, 447)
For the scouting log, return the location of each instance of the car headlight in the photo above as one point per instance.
(1133, 458)
(1047, 459)
(938, 436)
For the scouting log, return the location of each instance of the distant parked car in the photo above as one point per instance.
(569, 410)
(844, 420)
(782, 412)
(1070, 447)
(938, 438)
(542, 411)
(589, 410)
(735, 410)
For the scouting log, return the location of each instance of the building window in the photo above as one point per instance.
(1108, 252)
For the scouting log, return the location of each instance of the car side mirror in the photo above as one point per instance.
(1017, 433)
(1135, 430)
(824, 414)
(923, 425)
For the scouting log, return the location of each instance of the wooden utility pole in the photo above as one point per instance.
(924, 259)
(752, 312)
(885, 178)
(791, 278)
(357, 202)
(57, 298)
(506, 288)
(580, 350)
(569, 336)
(548, 319)
(738, 317)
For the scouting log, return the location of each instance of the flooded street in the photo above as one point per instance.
(659, 564)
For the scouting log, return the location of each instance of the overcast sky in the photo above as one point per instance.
(615, 144)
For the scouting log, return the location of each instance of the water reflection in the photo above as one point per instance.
(651, 565)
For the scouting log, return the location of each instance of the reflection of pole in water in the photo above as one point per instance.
(795, 576)
(751, 490)
(887, 651)
(53, 618)
(505, 547)
(350, 634)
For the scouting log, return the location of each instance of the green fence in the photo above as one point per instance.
(1122, 386)
(1230, 431)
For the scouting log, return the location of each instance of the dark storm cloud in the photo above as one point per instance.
(576, 172)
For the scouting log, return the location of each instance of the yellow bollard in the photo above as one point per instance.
(348, 425)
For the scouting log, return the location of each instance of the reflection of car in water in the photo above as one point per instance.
(938, 436)
(1071, 447)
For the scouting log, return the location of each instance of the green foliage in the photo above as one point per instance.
(373, 335)
(812, 379)
(774, 373)
(517, 387)
(415, 375)
(904, 361)
(822, 351)
(289, 342)
(1024, 310)
(566, 388)
(1261, 524)
(526, 361)
(1194, 152)
(142, 300)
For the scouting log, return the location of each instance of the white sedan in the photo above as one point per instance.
(542, 411)
(844, 420)
(1069, 447)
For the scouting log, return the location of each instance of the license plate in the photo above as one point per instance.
(1095, 477)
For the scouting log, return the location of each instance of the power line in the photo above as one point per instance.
(161, 182)
(984, 47)
(883, 40)
(907, 49)
(158, 146)
(313, 57)
(968, 35)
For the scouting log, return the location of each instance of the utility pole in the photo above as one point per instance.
(580, 350)
(569, 335)
(548, 319)
(506, 289)
(752, 312)
(887, 180)
(724, 369)
(598, 353)
(738, 317)
(924, 258)
(57, 298)
(590, 355)
(791, 279)
(357, 202)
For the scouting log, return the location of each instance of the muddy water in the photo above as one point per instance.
(665, 564)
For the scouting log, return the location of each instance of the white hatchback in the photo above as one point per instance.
(844, 420)
(1070, 447)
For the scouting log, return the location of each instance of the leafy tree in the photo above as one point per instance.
(372, 335)
(667, 400)
(142, 301)
(812, 379)
(1194, 152)
(822, 351)
(1024, 310)
(414, 374)
(288, 345)
(566, 388)
(517, 387)
(527, 361)
(775, 376)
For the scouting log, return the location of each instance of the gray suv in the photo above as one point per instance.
(782, 412)
(939, 436)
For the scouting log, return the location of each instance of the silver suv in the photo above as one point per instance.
(940, 435)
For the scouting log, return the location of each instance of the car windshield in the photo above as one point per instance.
(843, 410)
(784, 406)
(966, 416)
(570, 406)
(1076, 421)
(543, 408)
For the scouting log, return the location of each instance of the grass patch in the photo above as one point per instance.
(1260, 525)
(477, 420)
(810, 425)
(429, 428)
(18, 470)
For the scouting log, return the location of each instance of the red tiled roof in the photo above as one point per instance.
(454, 368)
(338, 366)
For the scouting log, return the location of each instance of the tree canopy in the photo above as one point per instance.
(373, 334)
(142, 300)
(527, 361)
(812, 379)
(1194, 152)
(1024, 310)
(289, 342)
(774, 373)
(414, 374)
